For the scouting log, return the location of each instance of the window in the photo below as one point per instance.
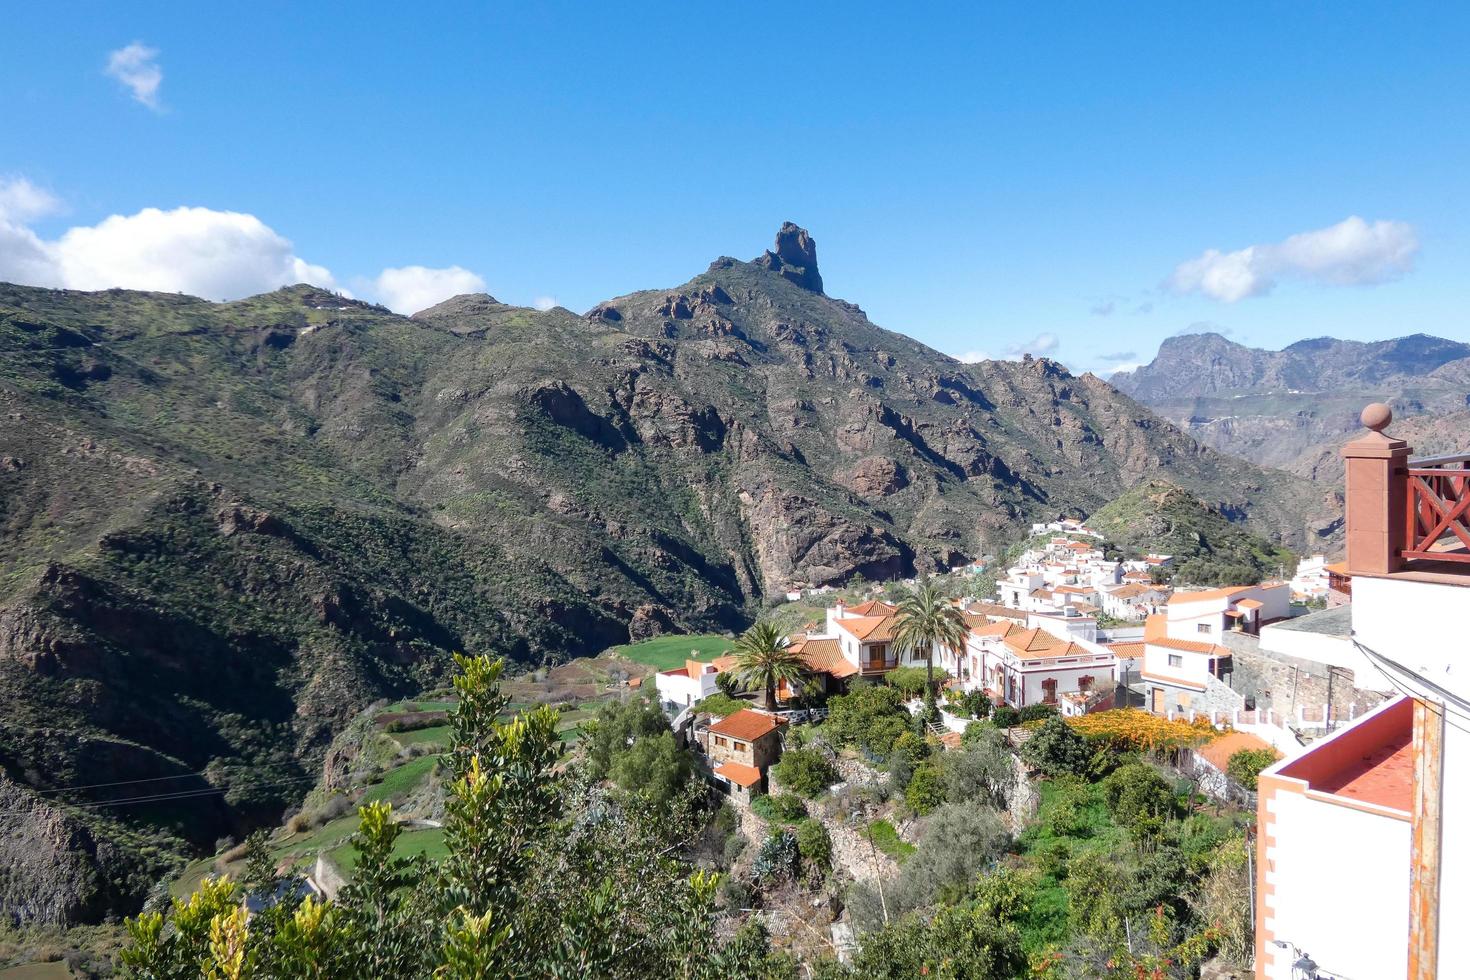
(1203, 627)
(1049, 691)
(1084, 683)
(1175, 660)
(720, 742)
(742, 746)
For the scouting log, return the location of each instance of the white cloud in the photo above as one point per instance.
(136, 67)
(1352, 252)
(414, 287)
(22, 201)
(1041, 344)
(973, 357)
(544, 303)
(214, 254)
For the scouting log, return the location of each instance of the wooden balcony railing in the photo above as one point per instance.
(1439, 509)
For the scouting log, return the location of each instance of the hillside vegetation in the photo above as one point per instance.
(1207, 548)
(225, 528)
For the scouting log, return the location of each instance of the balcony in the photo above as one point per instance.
(1438, 511)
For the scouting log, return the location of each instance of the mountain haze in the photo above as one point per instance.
(1294, 407)
(227, 527)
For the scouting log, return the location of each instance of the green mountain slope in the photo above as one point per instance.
(226, 528)
(1207, 548)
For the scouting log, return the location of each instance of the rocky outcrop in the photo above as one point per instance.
(794, 257)
(875, 476)
(55, 870)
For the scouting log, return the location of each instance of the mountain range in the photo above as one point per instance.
(227, 527)
(1293, 408)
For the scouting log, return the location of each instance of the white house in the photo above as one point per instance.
(1033, 666)
(690, 684)
(1134, 601)
(1210, 613)
(1310, 580)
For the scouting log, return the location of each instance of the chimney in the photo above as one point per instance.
(1377, 495)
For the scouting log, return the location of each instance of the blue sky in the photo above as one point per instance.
(987, 179)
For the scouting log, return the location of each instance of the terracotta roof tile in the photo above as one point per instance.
(1180, 598)
(739, 774)
(873, 607)
(746, 725)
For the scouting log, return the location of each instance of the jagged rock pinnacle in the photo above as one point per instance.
(795, 257)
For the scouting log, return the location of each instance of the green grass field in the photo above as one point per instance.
(886, 839)
(438, 735)
(396, 784)
(668, 652)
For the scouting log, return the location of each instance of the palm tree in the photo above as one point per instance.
(763, 660)
(926, 620)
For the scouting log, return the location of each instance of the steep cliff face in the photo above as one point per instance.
(1293, 408)
(228, 527)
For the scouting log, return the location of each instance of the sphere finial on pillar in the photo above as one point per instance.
(1377, 416)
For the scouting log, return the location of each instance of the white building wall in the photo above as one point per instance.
(1351, 916)
(1423, 625)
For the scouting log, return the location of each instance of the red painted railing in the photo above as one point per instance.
(1439, 509)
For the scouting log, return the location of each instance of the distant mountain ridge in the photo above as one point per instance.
(227, 527)
(1290, 408)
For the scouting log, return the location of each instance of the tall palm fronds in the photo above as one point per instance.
(927, 620)
(763, 660)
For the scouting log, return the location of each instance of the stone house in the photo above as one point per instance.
(741, 747)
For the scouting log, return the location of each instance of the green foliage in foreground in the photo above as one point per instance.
(545, 875)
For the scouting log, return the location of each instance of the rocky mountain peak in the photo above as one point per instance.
(794, 257)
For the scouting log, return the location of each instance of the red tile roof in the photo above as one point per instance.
(873, 607)
(739, 774)
(746, 725)
(1180, 598)
(825, 657)
(872, 628)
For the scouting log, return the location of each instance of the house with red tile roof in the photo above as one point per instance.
(741, 748)
(1022, 666)
(681, 687)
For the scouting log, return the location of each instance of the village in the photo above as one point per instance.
(1068, 630)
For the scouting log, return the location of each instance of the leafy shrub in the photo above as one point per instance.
(958, 841)
(814, 844)
(1066, 814)
(806, 771)
(911, 681)
(777, 859)
(1056, 749)
(979, 770)
(734, 847)
(735, 894)
(721, 704)
(925, 790)
(970, 704)
(1139, 798)
(1006, 717)
(1245, 766)
(781, 808)
(1037, 712)
(869, 717)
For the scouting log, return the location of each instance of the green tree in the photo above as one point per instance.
(1139, 798)
(763, 660)
(928, 621)
(655, 766)
(815, 845)
(869, 716)
(1056, 749)
(806, 771)
(1245, 766)
(617, 725)
(980, 770)
(925, 789)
